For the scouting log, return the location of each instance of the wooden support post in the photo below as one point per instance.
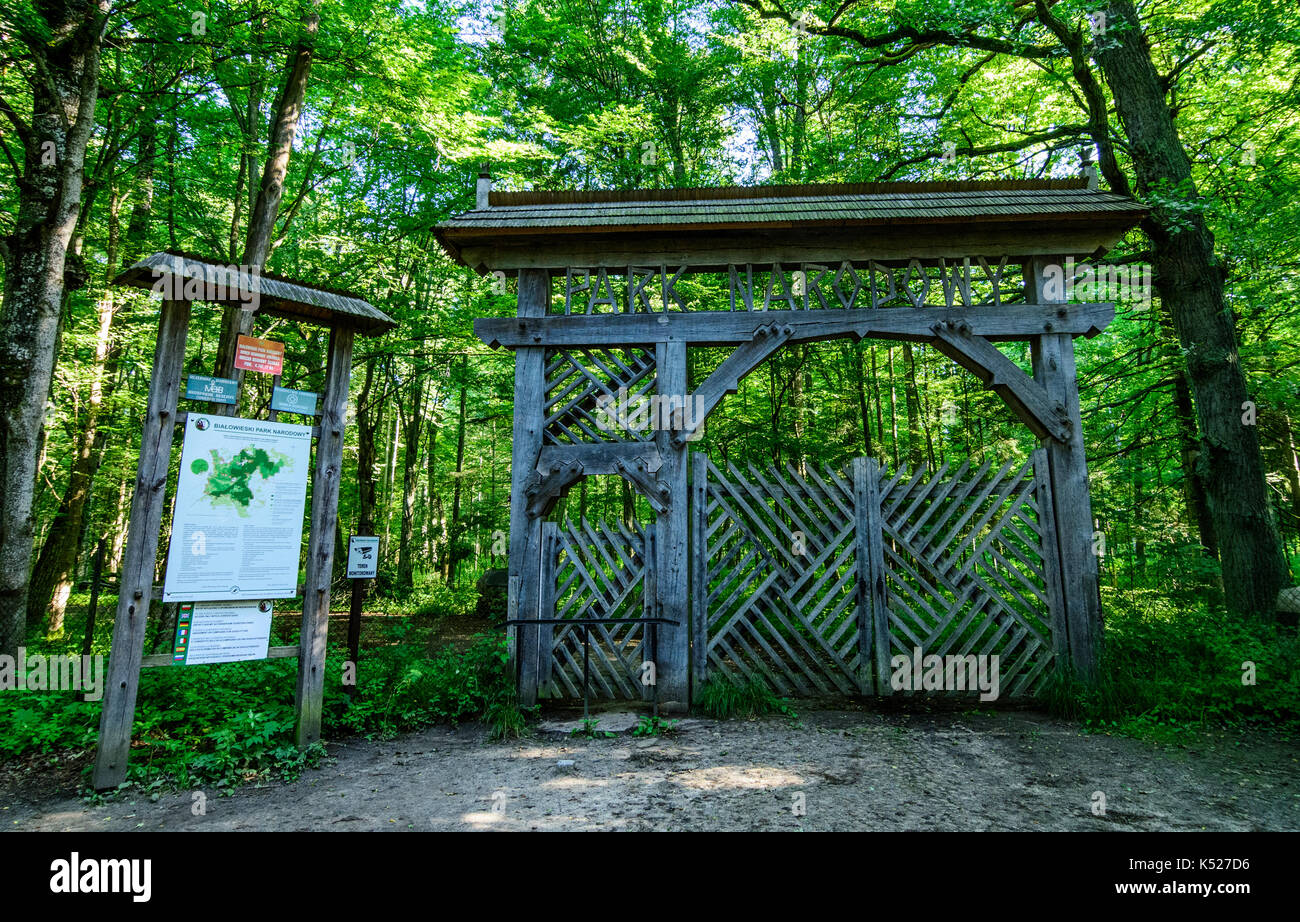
(546, 607)
(136, 580)
(355, 609)
(671, 539)
(650, 632)
(272, 414)
(1051, 556)
(1054, 368)
(699, 587)
(524, 564)
(873, 611)
(326, 475)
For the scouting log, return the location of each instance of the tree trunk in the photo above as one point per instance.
(863, 412)
(235, 321)
(913, 406)
(35, 254)
(412, 423)
(367, 428)
(454, 529)
(437, 518)
(1198, 508)
(1190, 283)
(51, 581)
(53, 575)
(390, 477)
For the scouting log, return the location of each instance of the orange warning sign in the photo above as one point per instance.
(264, 355)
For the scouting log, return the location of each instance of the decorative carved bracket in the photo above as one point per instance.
(547, 484)
(1026, 397)
(559, 467)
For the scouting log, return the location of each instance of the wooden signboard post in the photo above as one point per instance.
(345, 316)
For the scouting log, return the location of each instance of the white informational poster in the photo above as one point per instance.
(222, 632)
(237, 528)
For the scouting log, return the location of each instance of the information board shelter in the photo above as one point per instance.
(183, 279)
(972, 563)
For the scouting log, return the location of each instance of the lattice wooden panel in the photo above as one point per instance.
(596, 570)
(780, 577)
(965, 568)
(599, 395)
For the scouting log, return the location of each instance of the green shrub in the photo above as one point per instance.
(724, 698)
(232, 723)
(1167, 671)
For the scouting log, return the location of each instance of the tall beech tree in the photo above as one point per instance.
(58, 50)
(1189, 278)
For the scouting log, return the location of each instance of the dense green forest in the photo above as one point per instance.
(324, 140)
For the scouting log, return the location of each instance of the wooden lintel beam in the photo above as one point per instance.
(600, 457)
(1027, 398)
(724, 328)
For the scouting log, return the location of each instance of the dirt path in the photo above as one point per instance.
(855, 770)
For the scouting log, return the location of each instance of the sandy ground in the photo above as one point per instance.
(836, 770)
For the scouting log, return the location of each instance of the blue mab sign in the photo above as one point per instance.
(213, 390)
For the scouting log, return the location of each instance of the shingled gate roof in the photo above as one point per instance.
(278, 297)
(763, 208)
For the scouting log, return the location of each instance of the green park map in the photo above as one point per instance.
(230, 480)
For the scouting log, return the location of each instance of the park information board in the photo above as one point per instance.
(237, 528)
(222, 632)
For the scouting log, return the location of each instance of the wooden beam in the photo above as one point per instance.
(726, 379)
(600, 457)
(545, 487)
(714, 250)
(326, 477)
(561, 466)
(525, 560)
(157, 660)
(724, 328)
(136, 581)
(1028, 399)
(672, 539)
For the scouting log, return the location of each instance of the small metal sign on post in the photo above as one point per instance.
(213, 390)
(363, 565)
(264, 355)
(363, 557)
(287, 400)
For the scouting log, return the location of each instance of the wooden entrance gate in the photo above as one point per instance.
(812, 581)
(595, 570)
(611, 283)
(775, 584)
